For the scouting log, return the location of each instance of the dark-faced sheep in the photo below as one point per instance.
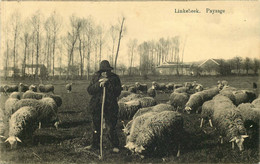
(46, 88)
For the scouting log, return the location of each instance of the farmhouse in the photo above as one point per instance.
(210, 67)
(30, 69)
(173, 68)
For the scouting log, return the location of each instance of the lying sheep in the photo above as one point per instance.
(69, 87)
(46, 88)
(141, 88)
(153, 133)
(178, 100)
(151, 92)
(229, 121)
(23, 87)
(33, 88)
(21, 124)
(46, 108)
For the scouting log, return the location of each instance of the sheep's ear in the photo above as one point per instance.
(2, 137)
(244, 136)
(233, 139)
(18, 139)
(7, 140)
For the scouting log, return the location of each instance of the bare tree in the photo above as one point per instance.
(113, 37)
(256, 65)
(55, 23)
(237, 61)
(247, 63)
(36, 21)
(132, 45)
(15, 28)
(101, 40)
(26, 41)
(119, 40)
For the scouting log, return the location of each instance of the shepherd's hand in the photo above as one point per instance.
(103, 82)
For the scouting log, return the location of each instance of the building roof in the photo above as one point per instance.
(213, 60)
(173, 65)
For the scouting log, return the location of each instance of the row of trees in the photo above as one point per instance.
(236, 65)
(47, 41)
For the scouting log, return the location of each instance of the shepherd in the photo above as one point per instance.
(104, 78)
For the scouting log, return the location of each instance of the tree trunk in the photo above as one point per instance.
(53, 53)
(119, 39)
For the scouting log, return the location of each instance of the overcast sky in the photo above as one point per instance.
(233, 33)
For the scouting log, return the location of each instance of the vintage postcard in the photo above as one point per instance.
(129, 81)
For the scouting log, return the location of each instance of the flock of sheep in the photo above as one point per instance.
(26, 110)
(151, 126)
(154, 127)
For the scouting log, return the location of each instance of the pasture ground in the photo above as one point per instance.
(60, 146)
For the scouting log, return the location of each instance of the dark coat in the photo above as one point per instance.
(113, 90)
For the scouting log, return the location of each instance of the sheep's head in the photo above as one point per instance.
(139, 149)
(239, 140)
(188, 109)
(137, 84)
(33, 88)
(13, 141)
(130, 145)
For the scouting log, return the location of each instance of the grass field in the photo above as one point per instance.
(60, 146)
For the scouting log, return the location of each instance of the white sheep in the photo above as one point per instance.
(46, 88)
(46, 108)
(229, 121)
(155, 132)
(249, 112)
(2, 124)
(178, 100)
(159, 86)
(181, 90)
(10, 104)
(35, 95)
(10, 88)
(21, 124)
(243, 96)
(124, 94)
(207, 112)
(194, 103)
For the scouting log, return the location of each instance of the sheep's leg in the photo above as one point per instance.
(40, 125)
(221, 140)
(201, 122)
(233, 145)
(210, 123)
(179, 151)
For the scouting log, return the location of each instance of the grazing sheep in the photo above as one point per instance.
(16, 95)
(46, 108)
(249, 112)
(141, 88)
(178, 100)
(157, 108)
(10, 105)
(129, 105)
(229, 121)
(243, 96)
(21, 124)
(33, 88)
(69, 87)
(34, 95)
(130, 97)
(228, 92)
(207, 112)
(189, 85)
(208, 94)
(198, 88)
(181, 90)
(194, 103)
(2, 124)
(46, 88)
(151, 92)
(23, 87)
(159, 86)
(152, 133)
(10, 88)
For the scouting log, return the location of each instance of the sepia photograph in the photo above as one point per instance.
(129, 81)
